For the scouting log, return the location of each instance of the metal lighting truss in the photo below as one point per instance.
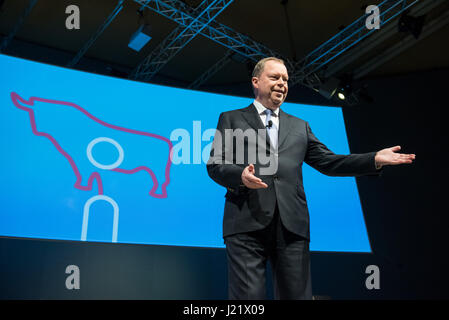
(381, 35)
(177, 11)
(191, 23)
(19, 23)
(404, 44)
(200, 21)
(306, 69)
(95, 36)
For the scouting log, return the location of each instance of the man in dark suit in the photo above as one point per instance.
(257, 154)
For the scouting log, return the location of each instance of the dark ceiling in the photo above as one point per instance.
(312, 23)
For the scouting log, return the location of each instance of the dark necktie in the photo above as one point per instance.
(272, 130)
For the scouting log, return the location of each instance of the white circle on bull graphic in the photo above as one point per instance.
(103, 166)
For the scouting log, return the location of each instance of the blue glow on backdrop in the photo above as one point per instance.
(52, 164)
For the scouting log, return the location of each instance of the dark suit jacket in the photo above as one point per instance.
(252, 209)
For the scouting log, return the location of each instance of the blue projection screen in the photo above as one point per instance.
(86, 157)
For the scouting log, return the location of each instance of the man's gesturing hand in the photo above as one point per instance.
(389, 156)
(250, 180)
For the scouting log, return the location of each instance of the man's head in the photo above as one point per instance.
(270, 82)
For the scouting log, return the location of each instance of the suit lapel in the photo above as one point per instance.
(284, 127)
(253, 118)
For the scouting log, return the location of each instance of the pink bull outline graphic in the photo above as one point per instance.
(20, 103)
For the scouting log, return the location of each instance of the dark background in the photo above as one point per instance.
(405, 209)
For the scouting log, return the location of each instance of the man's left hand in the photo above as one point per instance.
(389, 156)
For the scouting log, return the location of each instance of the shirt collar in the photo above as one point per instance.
(260, 108)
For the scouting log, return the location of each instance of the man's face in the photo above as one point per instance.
(271, 86)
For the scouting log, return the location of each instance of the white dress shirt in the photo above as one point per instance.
(263, 116)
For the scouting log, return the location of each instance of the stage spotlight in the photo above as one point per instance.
(328, 88)
(140, 38)
(345, 88)
(411, 24)
(343, 92)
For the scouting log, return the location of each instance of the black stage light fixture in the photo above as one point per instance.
(143, 34)
(342, 94)
(329, 87)
(345, 88)
(140, 38)
(352, 93)
(411, 24)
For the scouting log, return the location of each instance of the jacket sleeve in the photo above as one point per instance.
(220, 166)
(325, 161)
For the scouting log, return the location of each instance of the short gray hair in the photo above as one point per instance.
(258, 69)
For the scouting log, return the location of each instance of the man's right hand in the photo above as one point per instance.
(250, 180)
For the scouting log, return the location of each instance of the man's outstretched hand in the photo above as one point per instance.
(389, 156)
(250, 180)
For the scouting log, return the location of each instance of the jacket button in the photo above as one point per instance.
(275, 177)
